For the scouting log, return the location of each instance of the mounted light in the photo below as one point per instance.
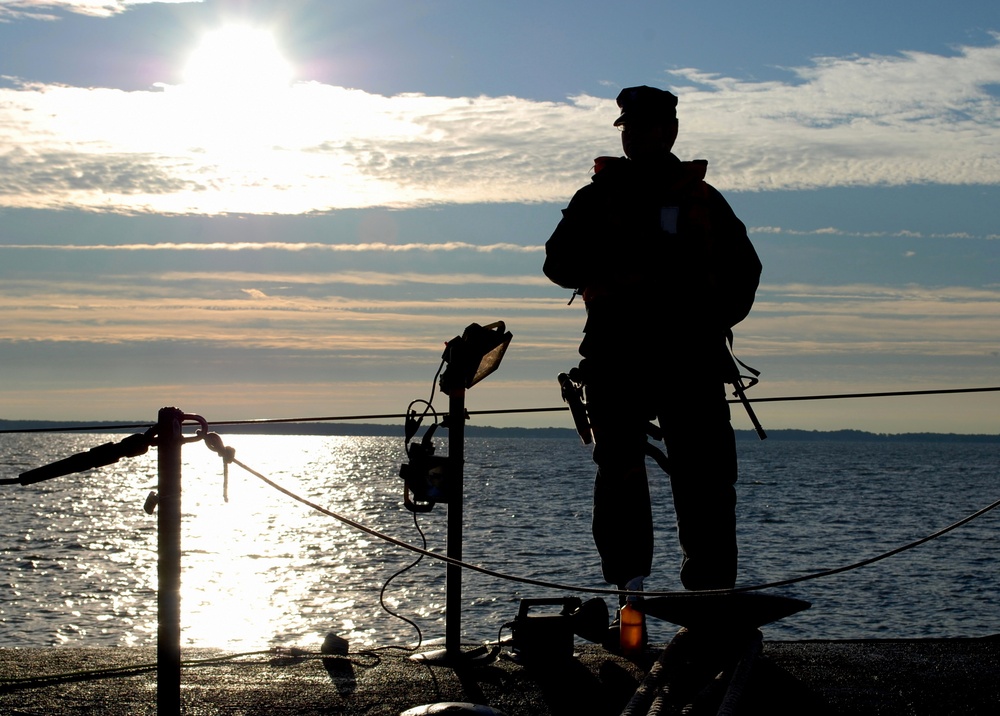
(473, 355)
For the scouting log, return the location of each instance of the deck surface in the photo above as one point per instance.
(912, 677)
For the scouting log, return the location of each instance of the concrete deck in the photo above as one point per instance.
(912, 677)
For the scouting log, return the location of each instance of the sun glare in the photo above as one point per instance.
(237, 60)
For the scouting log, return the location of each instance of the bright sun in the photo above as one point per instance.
(236, 60)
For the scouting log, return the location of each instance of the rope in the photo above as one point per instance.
(877, 558)
(504, 411)
(598, 590)
(18, 682)
(419, 550)
(278, 654)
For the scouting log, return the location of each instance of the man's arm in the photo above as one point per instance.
(736, 261)
(570, 251)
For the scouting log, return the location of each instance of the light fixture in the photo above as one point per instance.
(473, 355)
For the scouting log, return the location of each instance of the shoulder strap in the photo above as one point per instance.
(739, 389)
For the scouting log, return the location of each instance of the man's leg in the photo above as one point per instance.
(622, 519)
(702, 450)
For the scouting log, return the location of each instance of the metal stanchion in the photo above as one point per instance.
(470, 358)
(168, 598)
(453, 574)
(168, 438)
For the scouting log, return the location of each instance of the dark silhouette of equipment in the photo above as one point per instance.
(106, 454)
(473, 355)
(426, 475)
(539, 638)
(733, 376)
(722, 611)
(429, 479)
(571, 386)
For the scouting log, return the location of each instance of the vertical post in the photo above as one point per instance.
(168, 600)
(453, 574)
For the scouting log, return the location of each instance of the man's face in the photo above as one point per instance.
(643, 140)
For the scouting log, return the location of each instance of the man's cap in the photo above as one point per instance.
(646, 104)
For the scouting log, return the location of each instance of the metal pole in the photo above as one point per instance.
(453, 574)
(168, 600)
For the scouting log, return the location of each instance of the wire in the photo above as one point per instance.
(598, 590)
(381, 596)
(406, 545)
(885, 394)
(504, 411)
(12, 683)
(279, 654)
(877, 558)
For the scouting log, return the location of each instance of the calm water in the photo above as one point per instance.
(79, 553)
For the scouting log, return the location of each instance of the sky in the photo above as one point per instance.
(251, 209)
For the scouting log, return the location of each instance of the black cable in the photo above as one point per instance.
(884, 394)
(506, 411)
(20, 682)
(381, 596)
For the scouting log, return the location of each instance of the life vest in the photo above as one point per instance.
(692, 220)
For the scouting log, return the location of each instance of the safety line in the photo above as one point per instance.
(418, 550)
(885, 394)
(598, 590)
(501, 411)
(877, 558)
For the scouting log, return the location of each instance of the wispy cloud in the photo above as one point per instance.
(44, 9)
(872, 320)
(873, 120)
(833, 231)
(260, 310)
(360, 278)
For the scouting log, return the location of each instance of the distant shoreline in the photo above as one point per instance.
(476, 431)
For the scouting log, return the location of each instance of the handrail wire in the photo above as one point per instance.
(502, 411)
(604, 591)
(883, 394)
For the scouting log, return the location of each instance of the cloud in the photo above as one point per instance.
(322, 311)
(45, 9)
(833, 231)
(874, 120)
(872, 320)
(361, 278)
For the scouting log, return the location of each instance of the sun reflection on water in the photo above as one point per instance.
(261, 568)
(256, 570)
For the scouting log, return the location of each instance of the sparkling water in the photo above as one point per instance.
(79, 552)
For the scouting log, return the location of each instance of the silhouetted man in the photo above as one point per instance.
(665, 269)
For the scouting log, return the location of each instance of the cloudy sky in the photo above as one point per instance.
(256, 209)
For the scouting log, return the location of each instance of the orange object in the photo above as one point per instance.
(632, 623)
